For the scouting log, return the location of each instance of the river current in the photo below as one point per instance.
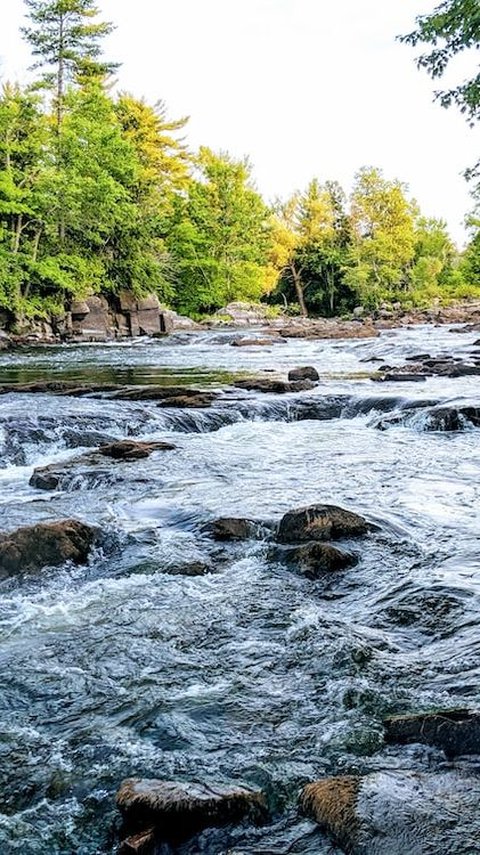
(250, 673)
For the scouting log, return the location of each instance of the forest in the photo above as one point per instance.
(100, 193)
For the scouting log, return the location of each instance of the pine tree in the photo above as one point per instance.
(66, 41)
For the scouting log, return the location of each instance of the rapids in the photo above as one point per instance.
(250, 673)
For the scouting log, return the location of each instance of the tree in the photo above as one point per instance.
(219, 235)
(452, 27)
(384, 240)
(65, 38)
(310, 237)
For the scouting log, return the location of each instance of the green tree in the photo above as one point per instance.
(383, 247)
(452, 28)
(219, 236)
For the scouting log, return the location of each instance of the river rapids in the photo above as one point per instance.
(250, 673)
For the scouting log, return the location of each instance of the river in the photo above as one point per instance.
(249, 673)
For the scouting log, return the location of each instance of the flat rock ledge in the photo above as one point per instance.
(456, 732)
(173, 811)
(398, 812)
(45, 545)
(65, 473)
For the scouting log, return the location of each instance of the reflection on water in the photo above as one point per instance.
(250, 673)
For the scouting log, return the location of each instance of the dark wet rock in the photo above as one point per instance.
(275, 386)
(398, 812)
(313, 559)
(192, 568)
(456, 732)
(157, 393)
(418, 357)
(94, 465)
(139, 844)
(179, 810)
(320, 522)
(129, 449)
(235, 528)
(399, 377)
(305, 373)
(263, 385)
(201, 401)
(438, 418)
(56, 387)
(45, 545)
(257, 342)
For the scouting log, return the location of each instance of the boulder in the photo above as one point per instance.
(178, 810)
(233, 528)
(456, 732)
(399, 377)
(306, 373)
(320, 522)
(129, 449)
(314, 559)
(398, 812)
(45, 545)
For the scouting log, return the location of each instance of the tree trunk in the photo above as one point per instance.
(17, 234)
(299, 289)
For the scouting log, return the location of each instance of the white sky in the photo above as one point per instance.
(304, 87)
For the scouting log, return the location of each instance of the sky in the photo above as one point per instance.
(305, 88)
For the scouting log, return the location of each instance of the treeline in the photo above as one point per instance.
(99, 193)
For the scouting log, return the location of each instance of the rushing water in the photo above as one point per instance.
(250, 673)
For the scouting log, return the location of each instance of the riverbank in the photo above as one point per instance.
(99, 320)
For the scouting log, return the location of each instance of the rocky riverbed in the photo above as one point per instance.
(240, 594)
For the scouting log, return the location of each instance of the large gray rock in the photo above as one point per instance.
(399, 812)
(91, 320)
(45, 545)
(320, 522)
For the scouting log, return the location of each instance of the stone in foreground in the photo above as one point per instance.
(179, 810)
(45, 545)
(456, 732)
(320, 522)
(306, 373)
(314, 559)
(399, 812)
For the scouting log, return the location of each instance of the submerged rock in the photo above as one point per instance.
(179, 810)
(275, 386)
(93, 465)
(45, 545)
(235, 528)
(158, 393)
(306, 373)
(314, 559)
(321, 522)
(257, 342)
(457, 732)
(200, 401)
(398, 812)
